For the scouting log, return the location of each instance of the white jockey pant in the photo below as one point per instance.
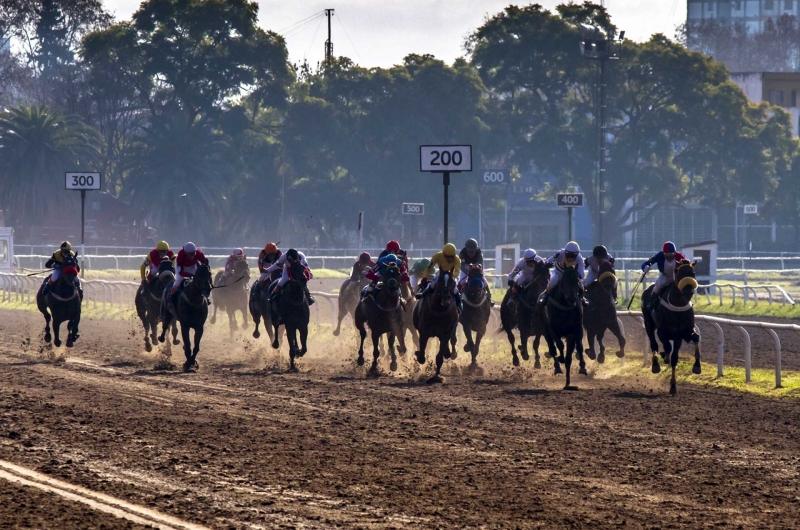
(55, 275)
(263, 277)
(555, 277)
(153, 270)
(591, 275)
(662, 281)
(462, 279)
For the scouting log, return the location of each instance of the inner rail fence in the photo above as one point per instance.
(120, 294)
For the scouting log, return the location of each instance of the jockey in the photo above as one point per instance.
(63, 257)
(471, 255)
(188, 260)
(523, 270)
(376, 273)
(417, 271)
(360, 268)
(266, 258)
(569, 256)
(448, 263)
(667, 261)
(230, 264)
(393, 247)
(153, 260)
(290, 257)
(599, 256)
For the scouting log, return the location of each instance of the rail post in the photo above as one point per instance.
(748, 363)
(720, 347)
(777, 341)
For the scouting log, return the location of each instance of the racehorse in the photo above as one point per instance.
(436, 315)
(520, 311)
(383, 315)
(63, 302)
(291, 310)
(601, 314)
(476, 311)
(234, 296)
(563, 317)
(260, 306)
(673, 320)
(191, 311)
(148, 304)
(349, 296)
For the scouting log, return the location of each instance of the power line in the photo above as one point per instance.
(341, 23)
(301, 22)
(298, 29)
(313, 39)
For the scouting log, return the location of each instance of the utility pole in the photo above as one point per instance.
(329, 42)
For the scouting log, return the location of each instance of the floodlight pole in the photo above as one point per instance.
(83, 230)
(446, 182)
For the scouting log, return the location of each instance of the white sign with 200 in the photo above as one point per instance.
(445, 158)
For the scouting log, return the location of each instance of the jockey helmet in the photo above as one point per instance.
(190, 248)
(392, 246)
(365, 257)
(471, 245)
(449, 250)
(420, 265)
(572, 247)
(270, 248)
(66, 246)
(292, 254)
(238, 252)
(668, 248)
(162, 246)
(390, 258)
(529, 255)
(600, 251)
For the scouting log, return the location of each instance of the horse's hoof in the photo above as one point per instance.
(401, 349)
(300, 353)
(601, 357)
(435, 379)
(48, 337)
(187, 367)
(673, 389)
(621, 353)
(547, 355)
(453, 354)
(275, 344)
(525, 355)
(161, 339)
(475, 369)
(420, 357)
(70, 343)
(213, 320)
(583, 371)
(537, 365)
(336, 332)
(570, 387)
(467, 348)
(557, 370)
(148, 347)
(515, 360)
(560, 359)
(256, 334)
(175, 342)
(664, 356)
(591, 355)
(57, 342)
(360, 361)
(696, 368)
(373, 370)
(293, 369)
(656, 366)
(393, 366)
(447, 355)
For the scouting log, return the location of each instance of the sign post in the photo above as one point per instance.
(445, 159)
(750, 210)
(413, 209)
(569, 201)
(83, 182)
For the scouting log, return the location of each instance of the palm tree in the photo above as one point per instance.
(37, 146)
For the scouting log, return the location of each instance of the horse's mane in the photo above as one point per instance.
(685, 269)
(606, 266)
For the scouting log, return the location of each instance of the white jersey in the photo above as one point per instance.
(278, 265)
(523, 271)
(560, 262)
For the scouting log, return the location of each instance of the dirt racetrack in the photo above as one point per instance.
(236, 445)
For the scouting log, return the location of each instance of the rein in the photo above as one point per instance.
(193, 304)
(227, 285)
(62, 299)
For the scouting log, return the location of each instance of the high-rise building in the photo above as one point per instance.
(752, 14)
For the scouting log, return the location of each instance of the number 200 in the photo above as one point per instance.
(445, 158)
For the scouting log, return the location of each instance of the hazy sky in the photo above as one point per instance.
(382, 32)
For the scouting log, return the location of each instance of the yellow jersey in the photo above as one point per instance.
(449, 267)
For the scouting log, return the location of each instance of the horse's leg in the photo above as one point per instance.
(423, 343)
(56, 331)
(591, 333)
(579, 352)
(568, 363)
(393, 364)
(376, 352)
(214, 314)
(291, 334)
(144, 316)
(340, 316)
(523, 346)
(673, 362)
(551, 347)
(560, 346)
(47, 336)
(695, 338)
(362, 333)
(536, 341)
(175, 340)
(601, 356)
(234, 326)
(613, 327)
(440, 355)
(198, 335)
(476, 348)
(468, 335)
(452, 351)
(72, 329)
(187, 346)
(257, 321)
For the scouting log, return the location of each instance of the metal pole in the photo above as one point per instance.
(83, 229)
(446, 182)
(569, 219)
(360, 231)
(505, 222)
(480, 219)
(602, 160)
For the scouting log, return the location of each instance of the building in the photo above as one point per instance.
(752, 14)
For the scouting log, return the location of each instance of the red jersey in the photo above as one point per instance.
(155, 258)
(188, 266)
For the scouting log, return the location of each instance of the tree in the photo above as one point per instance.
(37, 145)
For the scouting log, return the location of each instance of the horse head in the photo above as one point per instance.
(443, 290)
(202, 279)
(685, 280)
(606, 278)
(241, 269)
(298, 272)
(474, 288)
(569, 288)
(391, 277)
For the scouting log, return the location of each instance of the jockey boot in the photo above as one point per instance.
(425, 292)
(459, 303)
(47, 287)
(173, 296)
(654, 299)
(79, 288)
(309, 298)
(545, 298)
(489, 296)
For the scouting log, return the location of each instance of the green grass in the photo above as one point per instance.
(87, 311)
(701, 307)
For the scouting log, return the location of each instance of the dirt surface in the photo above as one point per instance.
(243, 444)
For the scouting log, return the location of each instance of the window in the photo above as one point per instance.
(794, 98)
(737, 5)
(776, 97)
(787, 5)
(769, 5)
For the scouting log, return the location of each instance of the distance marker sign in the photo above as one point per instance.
(83, 181)
(413, 208)
(445, 158)
(569, 200)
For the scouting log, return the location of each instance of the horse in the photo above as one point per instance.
(63, 302)
(476, 312)
(349, 296)
(601, 314)
(148, 304)
(234, 297)
(436, 315)
(563, 317)
(673, 320)
(260, 307)
(292, 311)
(383, 315)
(191, 311)
(520, 311)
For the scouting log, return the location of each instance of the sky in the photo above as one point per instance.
(382, 32)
